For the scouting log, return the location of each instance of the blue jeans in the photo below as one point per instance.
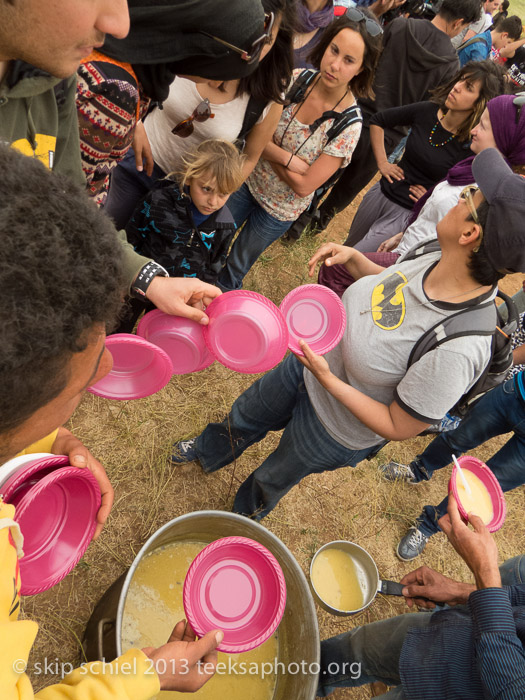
(376, 647)
(278, 400)
(127, 187)
(260, 231)
(513, 571)
(498, 412)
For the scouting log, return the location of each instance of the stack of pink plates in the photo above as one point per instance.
(236, 585)
(315, 314)
(139, 369)
(56, 508)
(181, 339)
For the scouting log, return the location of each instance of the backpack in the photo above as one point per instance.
(254, 109)
(484, 319)
(341, 121)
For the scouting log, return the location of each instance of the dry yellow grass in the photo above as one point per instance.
(133, 440)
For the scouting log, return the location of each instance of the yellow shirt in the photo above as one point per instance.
(129, 677)
(43, 445)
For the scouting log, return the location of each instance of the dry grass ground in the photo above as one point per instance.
(133, 440)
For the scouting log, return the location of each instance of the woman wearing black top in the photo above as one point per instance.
(439, 138)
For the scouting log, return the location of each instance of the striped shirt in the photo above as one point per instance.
(469, 652)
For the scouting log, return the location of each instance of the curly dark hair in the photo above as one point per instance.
(361, 84)
(60, 274)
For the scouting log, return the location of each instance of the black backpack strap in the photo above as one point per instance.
(254, 109)
(430, 247)
(298, 89)
(477, 320)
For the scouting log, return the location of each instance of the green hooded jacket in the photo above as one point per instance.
(38, 116)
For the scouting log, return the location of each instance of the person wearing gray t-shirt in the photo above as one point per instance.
(341, 408)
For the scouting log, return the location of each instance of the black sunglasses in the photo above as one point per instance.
(355, 15)
(519, 101)
(255, 50)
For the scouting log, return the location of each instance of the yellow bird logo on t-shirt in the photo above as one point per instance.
(388, 302)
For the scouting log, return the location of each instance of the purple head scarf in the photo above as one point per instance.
(309, 21)
(509, 138)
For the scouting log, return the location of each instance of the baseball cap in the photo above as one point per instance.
(505, 227)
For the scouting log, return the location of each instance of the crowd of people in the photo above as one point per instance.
(151, 151)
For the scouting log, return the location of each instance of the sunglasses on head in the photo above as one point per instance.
(201, 113)
(355, 15)
(254, 52)
(467, 194)
(519, 101)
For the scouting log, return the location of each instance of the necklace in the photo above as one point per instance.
(315, 124)
(438, 145)
(431, 301)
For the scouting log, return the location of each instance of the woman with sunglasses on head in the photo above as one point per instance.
(439, 138)
(196, 110)
(301, 156)
(117, 82)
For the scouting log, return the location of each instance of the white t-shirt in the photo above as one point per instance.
(386, 315)
(168, 149)
(442, 199)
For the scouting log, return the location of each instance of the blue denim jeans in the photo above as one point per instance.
(513, 571)
(498, 412)
(278, 400)
(260, 231)
(127, 187)
(367, 654)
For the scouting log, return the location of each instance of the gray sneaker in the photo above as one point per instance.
(393, 471)
(411, 545)
(184, 451)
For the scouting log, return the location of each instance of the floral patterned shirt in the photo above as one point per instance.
(274, 195)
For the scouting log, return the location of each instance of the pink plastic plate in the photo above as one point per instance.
(14, 465)
(236, 585)
(29, 474)
(315, 314)
(139, 369)
(246, 332)
(485, 475)
(57, 517)
(180, 338)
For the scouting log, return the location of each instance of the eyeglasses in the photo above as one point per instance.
(519, 101)
(467, 194)
(255, 50)
(372, 27)
(201, 113)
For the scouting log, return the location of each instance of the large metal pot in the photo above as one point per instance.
(298, 632)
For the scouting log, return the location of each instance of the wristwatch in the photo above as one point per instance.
(142, 281)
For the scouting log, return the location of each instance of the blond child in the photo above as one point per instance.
(184, 223)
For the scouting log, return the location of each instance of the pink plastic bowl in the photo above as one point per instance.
(485, 475)
(139, 369)
(236, 585)
(181, 339)
(315, 314)
(246, 332)
(57, 516)
(30, 473)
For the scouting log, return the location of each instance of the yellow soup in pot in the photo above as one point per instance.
(153, 607)
(479, 502)
(336, 580)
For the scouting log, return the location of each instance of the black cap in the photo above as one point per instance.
(505, 227)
